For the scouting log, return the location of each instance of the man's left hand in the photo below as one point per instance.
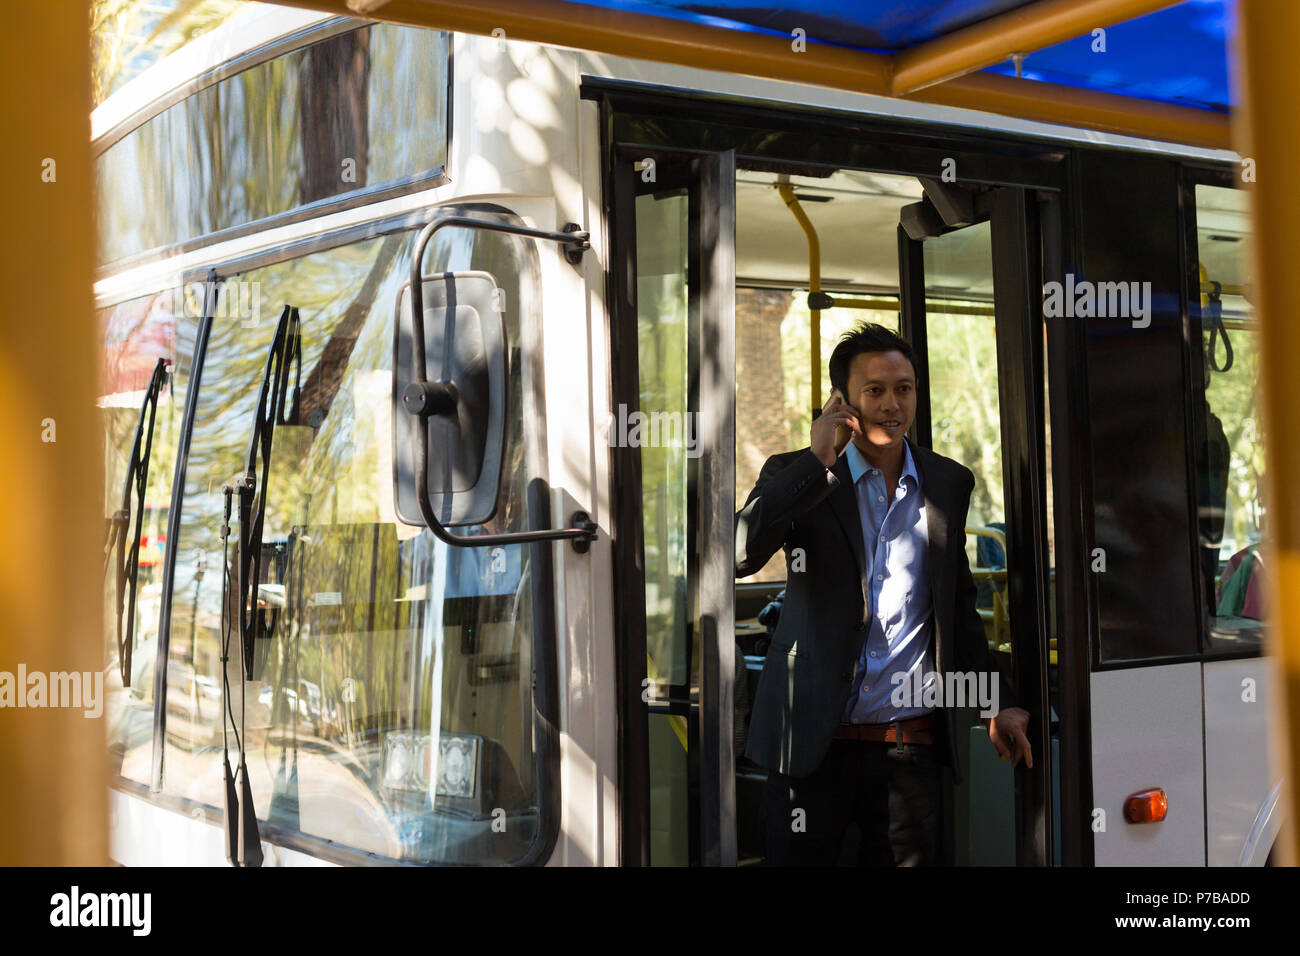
(1009, 733)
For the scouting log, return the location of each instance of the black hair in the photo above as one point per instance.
(864, 337)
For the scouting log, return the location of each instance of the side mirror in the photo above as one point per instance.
(449, 395)
(460, 402)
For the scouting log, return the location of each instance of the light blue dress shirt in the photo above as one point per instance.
(895, 539)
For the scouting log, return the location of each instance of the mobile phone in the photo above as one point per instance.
(843, 434)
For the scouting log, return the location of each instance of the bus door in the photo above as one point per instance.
(672, 440)
(970, 271)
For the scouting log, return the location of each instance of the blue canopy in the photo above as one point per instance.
(1177, 55)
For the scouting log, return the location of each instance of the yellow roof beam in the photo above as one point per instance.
(996, 39)
(1087, 109)
(635, 36)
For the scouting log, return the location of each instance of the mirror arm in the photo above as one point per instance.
(424, 398)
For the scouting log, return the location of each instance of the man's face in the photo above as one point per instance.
(882, 387)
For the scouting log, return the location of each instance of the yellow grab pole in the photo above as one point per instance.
(54, 796)
(814, 286)
(1268, 133)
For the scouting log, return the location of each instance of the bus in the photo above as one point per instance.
(471, 348)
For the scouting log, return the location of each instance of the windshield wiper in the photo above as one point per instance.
(273, 408)
(116, 552)
(243, 842)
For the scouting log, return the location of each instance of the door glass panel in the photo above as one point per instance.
(966, 425)
(663, 367)
(966, 422)
(1231, 464)
(1053, 634)
(662, 249)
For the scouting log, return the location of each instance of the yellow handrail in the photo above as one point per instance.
(814, 286)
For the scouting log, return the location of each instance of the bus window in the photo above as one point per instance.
(393, 712)
(1231, 462)
(353, 111)
(135, 334)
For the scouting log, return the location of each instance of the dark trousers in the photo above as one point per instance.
(893, 794)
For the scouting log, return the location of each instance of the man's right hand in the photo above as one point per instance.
(826, 437)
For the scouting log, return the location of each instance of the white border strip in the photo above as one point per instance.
(144, 834)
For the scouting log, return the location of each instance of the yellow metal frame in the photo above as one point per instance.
(1019, 31)
(53, 805)
(1270, 88)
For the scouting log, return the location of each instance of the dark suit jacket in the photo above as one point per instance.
(808, 675)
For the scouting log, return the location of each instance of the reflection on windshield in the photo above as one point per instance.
(135, 334)
(356, 109)
(392, 707)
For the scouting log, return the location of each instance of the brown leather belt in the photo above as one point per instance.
(914, 731)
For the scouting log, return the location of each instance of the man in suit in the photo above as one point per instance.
(879, 601)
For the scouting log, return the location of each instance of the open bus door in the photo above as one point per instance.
(970, 270)
(672, 439)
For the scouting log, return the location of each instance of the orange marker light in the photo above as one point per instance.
(1146, 806)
